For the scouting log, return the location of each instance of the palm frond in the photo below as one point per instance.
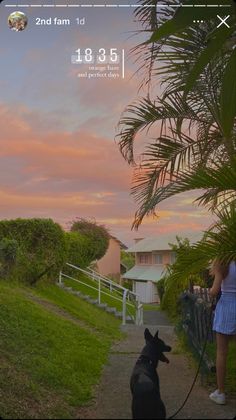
(219, 183)
(218, 242)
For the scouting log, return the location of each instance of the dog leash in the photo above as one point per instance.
(199, 365)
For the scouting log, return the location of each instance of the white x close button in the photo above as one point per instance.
(223, 21)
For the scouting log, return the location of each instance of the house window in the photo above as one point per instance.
(172, 257)
(143, 259)
(157, 259)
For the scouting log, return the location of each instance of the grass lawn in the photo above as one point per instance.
(49, 364)
(151, 307)
(93, 316)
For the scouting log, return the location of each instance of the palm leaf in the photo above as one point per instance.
(219, 183)
(218, 242)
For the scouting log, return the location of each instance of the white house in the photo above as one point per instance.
(151, 258)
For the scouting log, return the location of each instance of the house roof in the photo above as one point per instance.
(161, 242)
(146, 272)
(122, 245)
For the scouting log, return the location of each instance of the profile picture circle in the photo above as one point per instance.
(17, 21)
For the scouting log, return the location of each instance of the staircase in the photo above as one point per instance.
(104, 306)
(105, 287)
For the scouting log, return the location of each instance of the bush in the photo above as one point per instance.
(97, 235)
(170, 300)
(77, 250)
(41, 247)
(161, 288)
(8, 255)
(128, 259)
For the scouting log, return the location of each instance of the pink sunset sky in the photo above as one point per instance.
(58, 156)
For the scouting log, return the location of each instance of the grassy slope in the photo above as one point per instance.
(49, 364)
(111, 301)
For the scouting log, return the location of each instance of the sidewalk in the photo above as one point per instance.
(113, 397)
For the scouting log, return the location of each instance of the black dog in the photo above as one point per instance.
(144, 382)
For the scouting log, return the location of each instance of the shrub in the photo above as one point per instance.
(77, 250)
(8, 255)
(128, 259)
(97, 235)
(41, 247)
(161, 288)
(174, 288)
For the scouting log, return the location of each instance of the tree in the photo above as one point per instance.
(196, 144)
(97, 237)
(128, 259)
(78, 250)
(32, 248)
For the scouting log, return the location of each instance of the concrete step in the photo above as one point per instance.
(68, 289)
(86, 297)
(79, 294)
(129, 319)
(102, 305)
(111, 310)
(93, 301)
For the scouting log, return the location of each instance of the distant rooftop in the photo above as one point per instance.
(162, 242)
(122, 245)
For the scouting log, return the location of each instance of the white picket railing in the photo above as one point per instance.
(123, 295)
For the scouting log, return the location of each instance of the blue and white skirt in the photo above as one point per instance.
(225, 314)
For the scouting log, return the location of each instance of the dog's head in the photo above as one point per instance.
(155, 347)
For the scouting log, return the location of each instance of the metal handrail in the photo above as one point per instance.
(111, 285)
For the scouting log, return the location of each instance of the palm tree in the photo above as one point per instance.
(196, 145)
(219, 242)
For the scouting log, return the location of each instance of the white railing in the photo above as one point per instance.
(123, 295)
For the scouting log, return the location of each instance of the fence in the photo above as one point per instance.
(106, 287)
(197, 319)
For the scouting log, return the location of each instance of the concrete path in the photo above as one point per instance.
(113, 397)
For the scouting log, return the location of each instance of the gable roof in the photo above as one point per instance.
(122, 245)
(162, 242)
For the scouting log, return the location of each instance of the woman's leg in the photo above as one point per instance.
(222, 342)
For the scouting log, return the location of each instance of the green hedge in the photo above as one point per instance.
(77, 251)
(41, 248)
(97, 237)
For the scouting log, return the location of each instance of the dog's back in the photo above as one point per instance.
(144, 381)
(146, 402)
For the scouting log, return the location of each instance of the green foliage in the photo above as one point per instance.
(218, 40)
(171, 288)
(218, 242)
(161, 288)
(8, 255)
(77, 250)
(195, 66)
(128, 259)
(41, 247)
(97, 237)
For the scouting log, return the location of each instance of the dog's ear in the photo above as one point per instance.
(147, 335)
(156, 335)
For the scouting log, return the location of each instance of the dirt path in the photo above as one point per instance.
(113, 398)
